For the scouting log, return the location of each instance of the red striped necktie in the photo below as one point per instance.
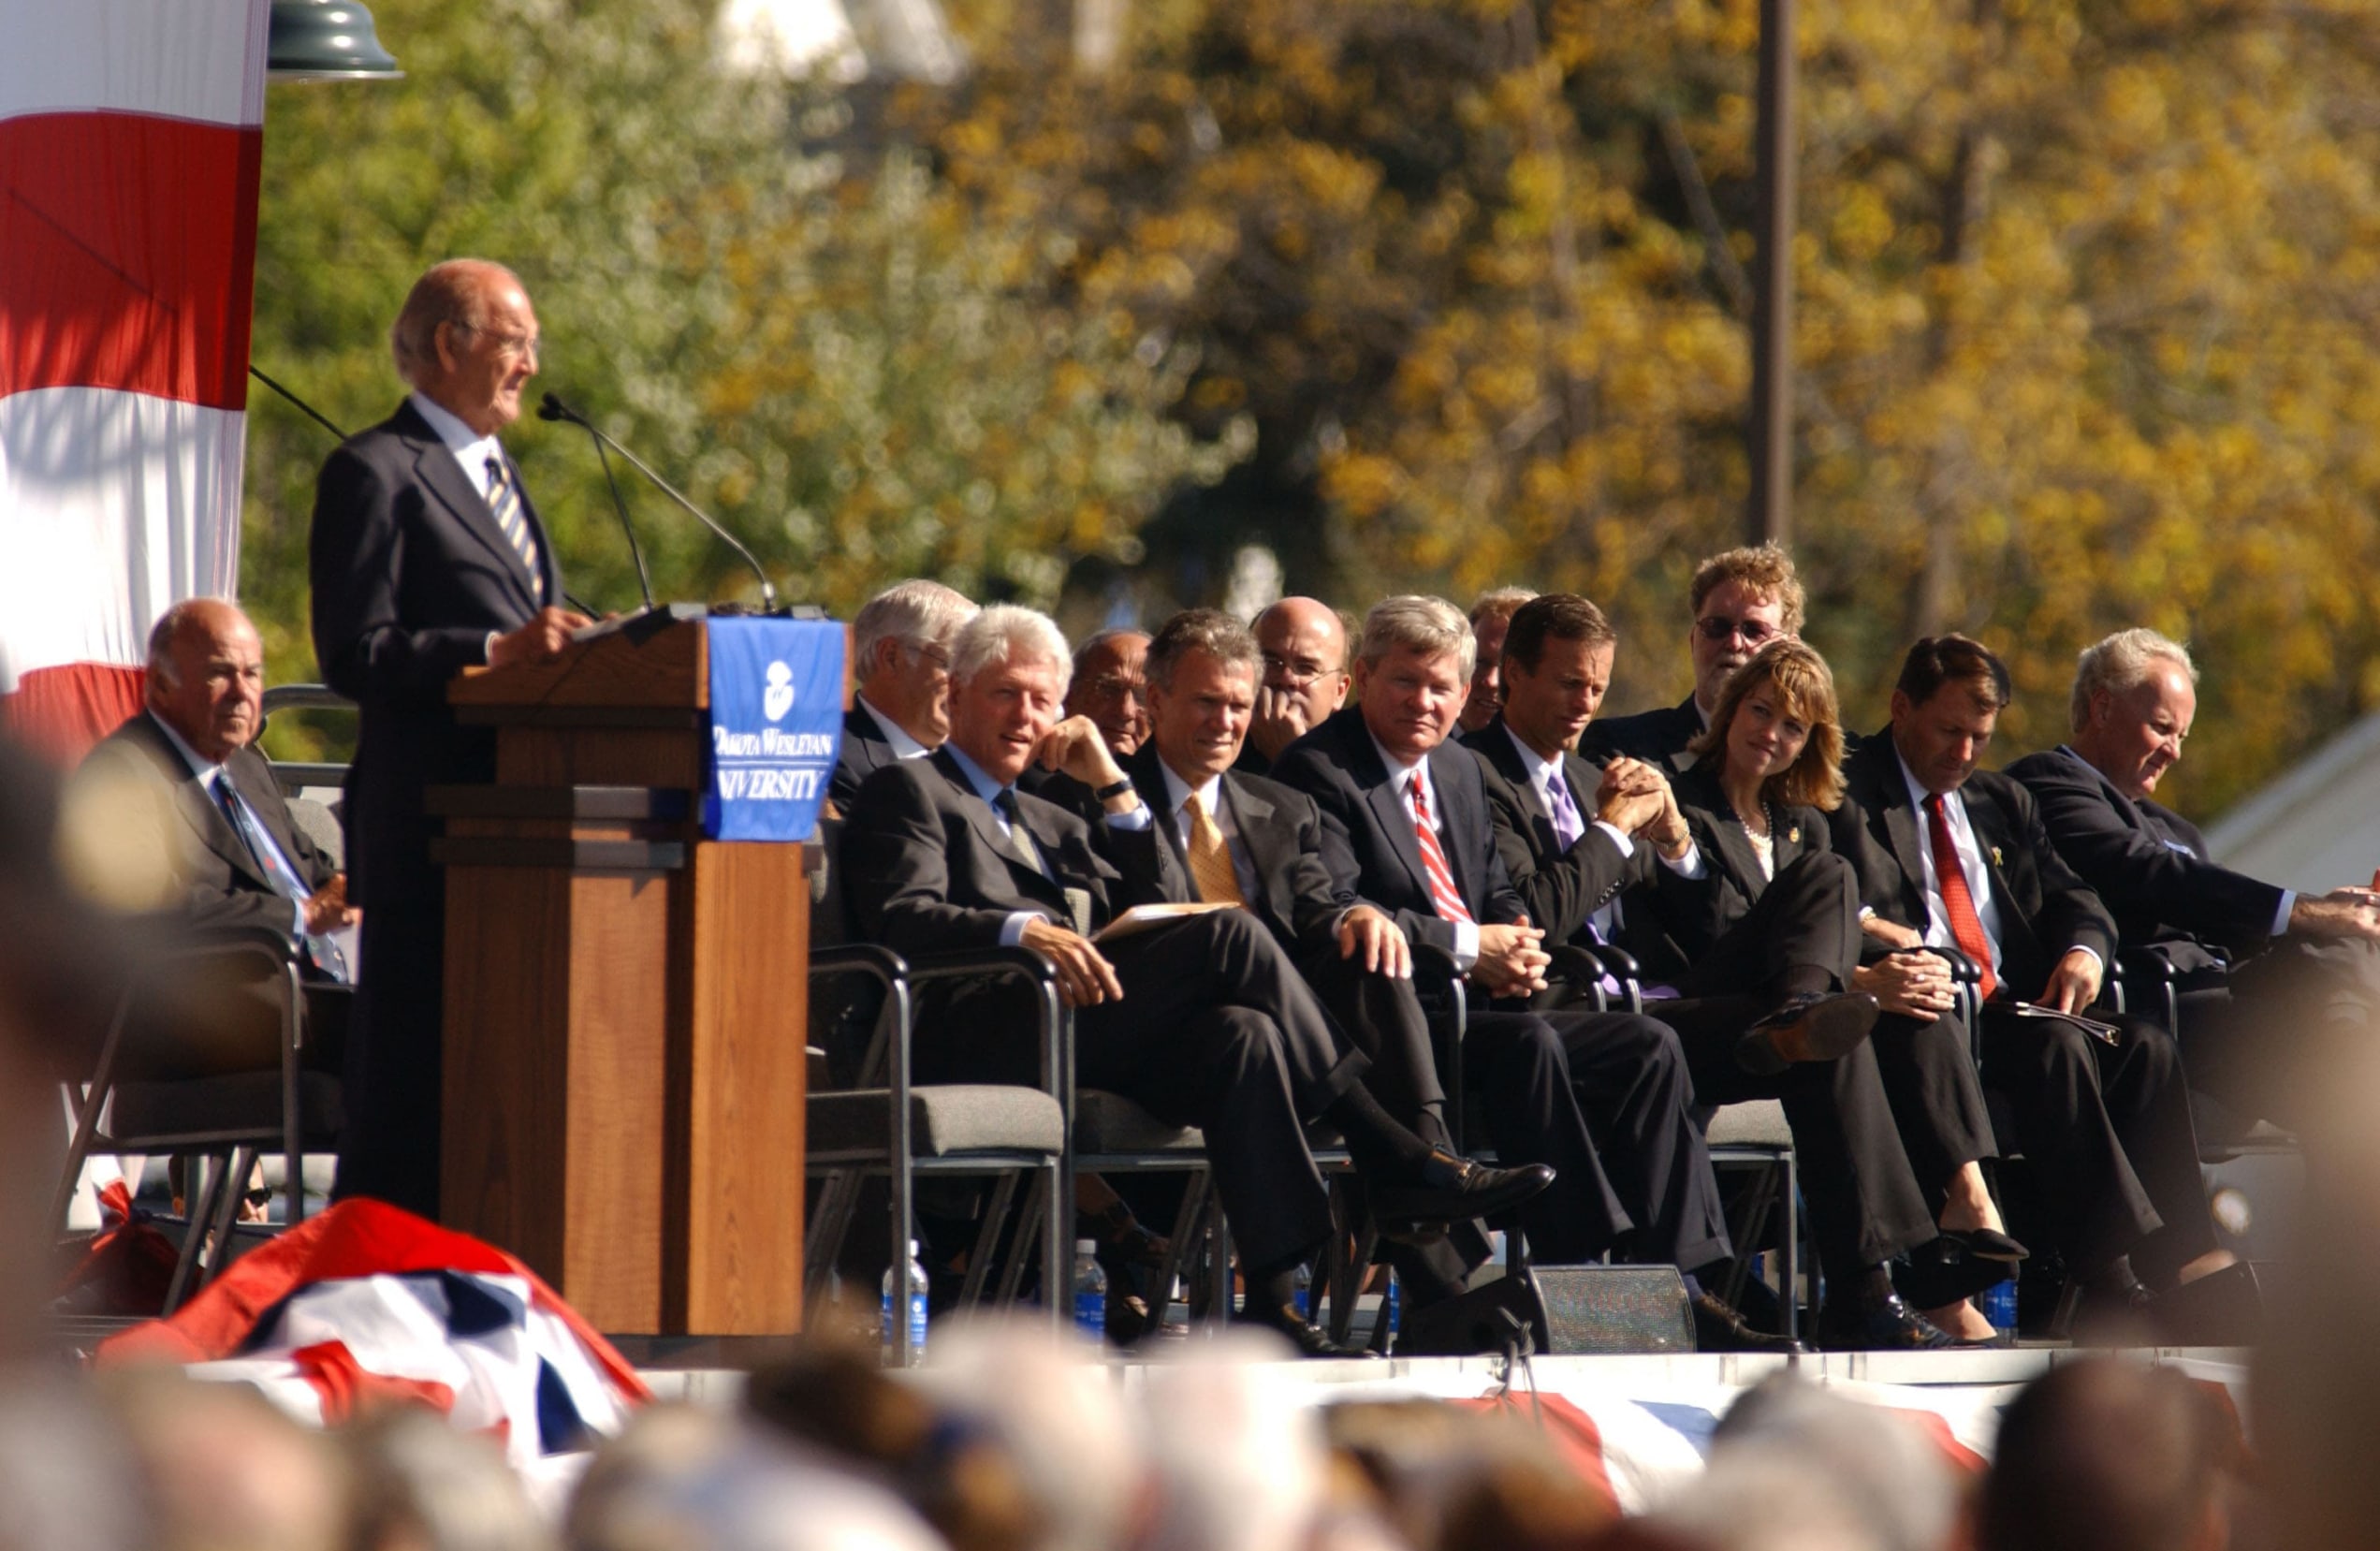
(1443, 894)
(1966, 926)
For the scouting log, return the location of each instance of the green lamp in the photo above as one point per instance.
(325, 40)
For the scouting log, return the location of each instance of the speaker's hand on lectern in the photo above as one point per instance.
(540, 639)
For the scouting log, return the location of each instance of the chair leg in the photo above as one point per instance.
(1789, 1256)
(829, 1225)
(1029, 1227)
(230, 1195)
(1180, 1251)
(1218, 1265)
(201, 1172)
(979, 1261)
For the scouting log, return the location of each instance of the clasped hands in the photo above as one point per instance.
(1635, 798)
(1917, 983)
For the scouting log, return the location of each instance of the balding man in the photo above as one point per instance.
(237, 861)
(2305, 969)
(428, 558)
(1304, 647)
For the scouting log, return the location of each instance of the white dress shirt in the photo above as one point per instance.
(899, 740)
(470, 449)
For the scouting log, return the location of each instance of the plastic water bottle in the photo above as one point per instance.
(1302, 1292)
(916, 1276)
(1389, 1303)
(1090, 1291)
(1998, 1302)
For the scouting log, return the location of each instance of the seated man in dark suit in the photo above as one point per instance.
(1590, 880)
(901, 646)
(2305, 969)
(1604, 1097)
(187, 781)
(1203, 1020)
(1304, 642)
(1958, 857)
(1741, 599)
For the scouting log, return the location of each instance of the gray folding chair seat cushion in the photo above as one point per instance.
(1110, 1123)
(235, 1102)
(1753, 1123)
(945, 1120)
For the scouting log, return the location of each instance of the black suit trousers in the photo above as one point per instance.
(1865, 1201)
(1802, 933)
(1217, 1030)
(2108, 1134)
(1604, 1098)
(2262, 1039)
(388, 1149)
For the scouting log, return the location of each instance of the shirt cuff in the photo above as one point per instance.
(488, 647)
(1135, 818)
(298, 914)
(1688, 865)
(1619, 838)
(1467, 945)
(2281, 916)
(2095, 959)
(1012, 931)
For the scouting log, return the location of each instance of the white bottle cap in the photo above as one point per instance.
(913, 1249)
(1087, 1246)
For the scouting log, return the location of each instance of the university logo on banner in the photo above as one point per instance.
(776, 725)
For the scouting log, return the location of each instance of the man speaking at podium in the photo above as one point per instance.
(427, 558)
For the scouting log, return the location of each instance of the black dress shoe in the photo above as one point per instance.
(1986, 1244)
(1885, 1326)
(1718, 1327)
(1941, 1272)
(1451, 1190)
(1310, 1340)
(1812, 1026)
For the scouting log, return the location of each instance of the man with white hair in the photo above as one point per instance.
(2302, 967)
(900, 652)
(426, 557)
(1204, 1019)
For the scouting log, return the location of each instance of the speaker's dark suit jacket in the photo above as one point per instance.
(224, 888)
(410, 575)
(2106, 1129)
(2147, 864)
(1659, 738)
(1215, 1028)
(1602, 1097)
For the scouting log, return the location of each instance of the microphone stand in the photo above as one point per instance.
(554, 409)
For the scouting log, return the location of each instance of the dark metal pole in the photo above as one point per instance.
(1771, 513)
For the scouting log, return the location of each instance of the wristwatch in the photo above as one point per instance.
(1114, 788)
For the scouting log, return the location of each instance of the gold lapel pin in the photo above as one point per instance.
(1996, 858)
(1793, 836)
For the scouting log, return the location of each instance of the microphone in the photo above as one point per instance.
(554, 409)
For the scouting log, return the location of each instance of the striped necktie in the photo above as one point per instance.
(1444, 897)
(504, 502)
(1211, 858)
(323, 949)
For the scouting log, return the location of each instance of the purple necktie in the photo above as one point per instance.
(1568, 827)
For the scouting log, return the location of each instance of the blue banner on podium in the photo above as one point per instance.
(776, 725)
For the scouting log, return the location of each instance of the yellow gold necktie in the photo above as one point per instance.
(1210, 859)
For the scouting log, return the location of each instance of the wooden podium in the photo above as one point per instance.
(626, 1002)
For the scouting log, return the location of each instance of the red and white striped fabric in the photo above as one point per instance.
(131, 137)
